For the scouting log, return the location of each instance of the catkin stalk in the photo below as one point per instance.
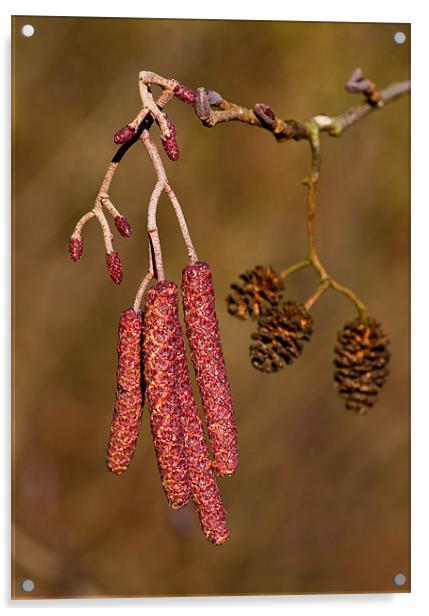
(202, 330)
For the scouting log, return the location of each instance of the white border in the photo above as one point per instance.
(410, 11)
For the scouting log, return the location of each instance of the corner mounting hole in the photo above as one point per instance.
(27, 585)
(399, 579)
(27, 30)
(399, 37)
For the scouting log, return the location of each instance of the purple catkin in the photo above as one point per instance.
(75, 248)
(202, 329)
(124, 134)
(126, 420)
(159, 357)
(123, 226)
(205, 491)
(185, 94)
(114, 265)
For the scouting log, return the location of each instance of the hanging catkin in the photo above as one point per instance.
(159, 353)
(205, 491)
(129, 401)
(202, 330)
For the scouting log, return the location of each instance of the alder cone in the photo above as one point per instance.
(202, 330)
(205, 491)
(258, 287)
(282, 331)
(160, 372)
(126, 420)
(361, 359)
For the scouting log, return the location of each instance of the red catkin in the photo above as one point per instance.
(169, 143)
(123, 226)
(124, 134)
(126, 420)
(202, 329)
(114, 265)
(159, 357)
(205, 491)
(185, 94)
(75, 248)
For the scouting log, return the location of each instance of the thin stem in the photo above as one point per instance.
(81, 223)
(182, 223)
(141, 290)
(152, 230)
(294, 268)
(107, 234)
(311, 182)
(157, 163)
(359, 305)
(317, 293)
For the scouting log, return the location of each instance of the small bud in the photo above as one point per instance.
(202, 104)
(114, 266)
(124, 134)
(185, 94)
(75, 248)
(214, 97)
(265, 114)
(170, 144)
(171, 126)
(123, 226)
(357, 86)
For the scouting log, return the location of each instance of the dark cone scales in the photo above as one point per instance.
(282, 331)
(361, 358)
(258, 288)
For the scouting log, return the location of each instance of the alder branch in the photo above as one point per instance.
(212, 109)
(284, 130)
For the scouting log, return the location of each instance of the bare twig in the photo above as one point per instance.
(141, 290)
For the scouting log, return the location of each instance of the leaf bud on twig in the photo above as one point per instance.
(202, 104)
(265, 114)
(214, 97)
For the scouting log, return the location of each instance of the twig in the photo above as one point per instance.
(284, 130)
(165, 186)
(294, 268)
(317, 293)
(140, 291)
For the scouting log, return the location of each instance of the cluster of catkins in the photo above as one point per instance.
(152, 357)
(283, 327)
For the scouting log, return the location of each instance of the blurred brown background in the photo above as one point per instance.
(321, 499)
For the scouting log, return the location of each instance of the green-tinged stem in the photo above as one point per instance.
(326, 281)
(294, 268)
(360, 306)
(317, 293)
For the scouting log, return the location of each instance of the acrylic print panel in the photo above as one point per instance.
(319, 502)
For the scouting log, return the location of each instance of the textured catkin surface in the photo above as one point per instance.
(159, 356)
(126, 420)
(205, 491)
(202, 329)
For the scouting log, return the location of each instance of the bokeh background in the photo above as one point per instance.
(321, 499)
